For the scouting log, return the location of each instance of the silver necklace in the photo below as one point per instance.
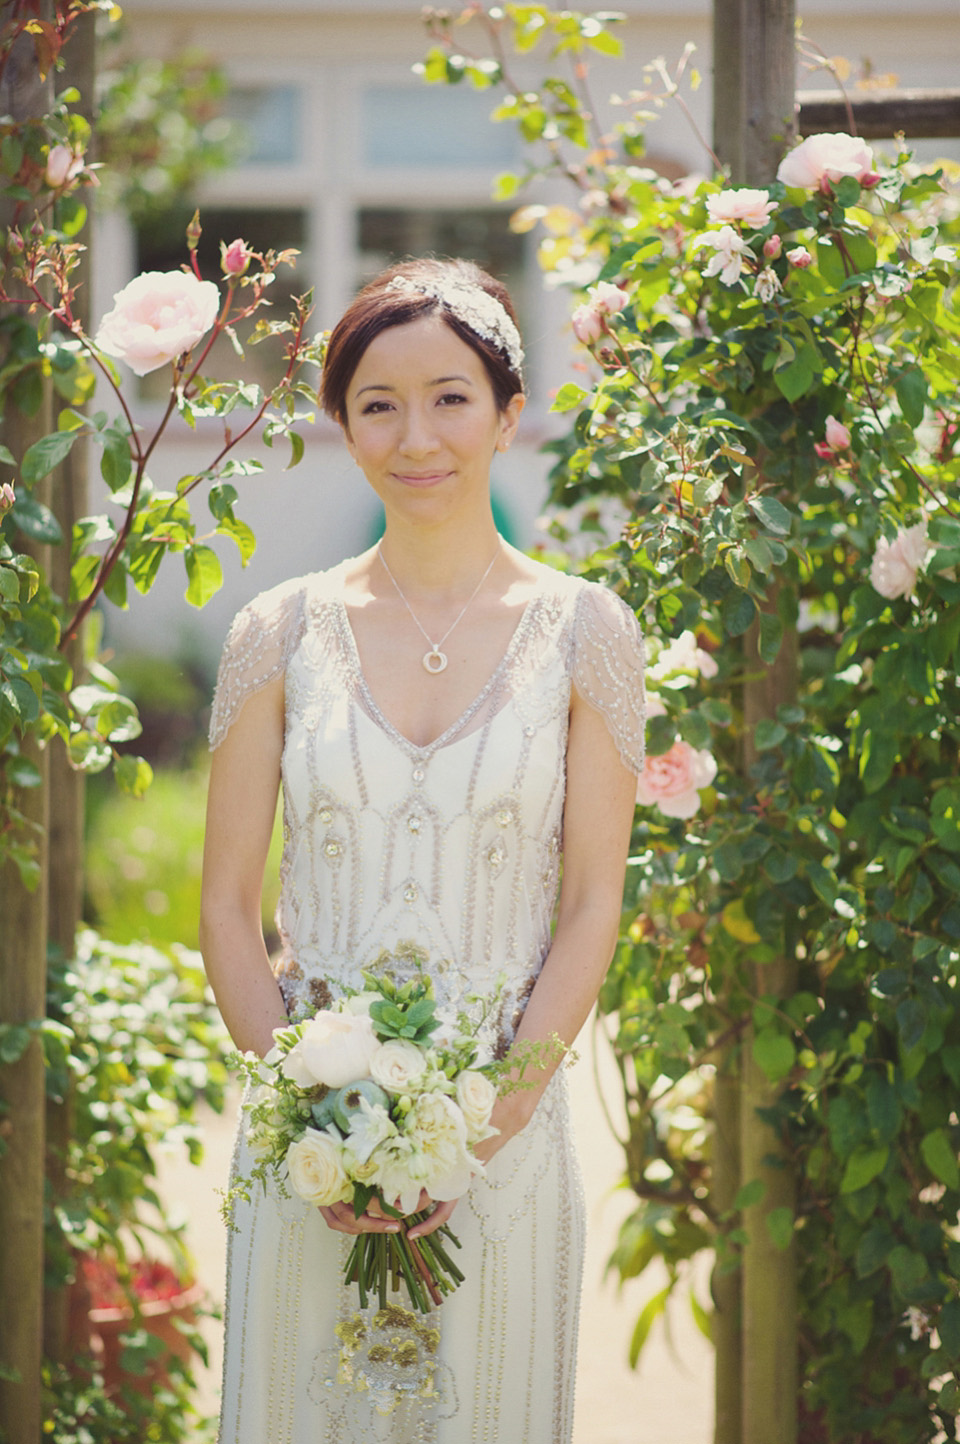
(435, 661)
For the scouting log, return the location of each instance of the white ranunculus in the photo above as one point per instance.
(316, 1169)
(157, 317)
(438, 1131)
(336, 1048)
(893, 571)
(476, 1096)
(397, 1065)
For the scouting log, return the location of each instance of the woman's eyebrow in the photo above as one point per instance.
(439, 381)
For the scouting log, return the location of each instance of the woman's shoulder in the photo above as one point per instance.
(585, 601)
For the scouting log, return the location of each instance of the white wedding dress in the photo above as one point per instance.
(452, 851)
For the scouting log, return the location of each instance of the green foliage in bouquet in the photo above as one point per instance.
(762, 458)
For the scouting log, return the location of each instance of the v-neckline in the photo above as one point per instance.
(383, 721)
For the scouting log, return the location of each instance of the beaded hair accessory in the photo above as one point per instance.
(475, 307)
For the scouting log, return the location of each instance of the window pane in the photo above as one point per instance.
(429, 126)
(267, 119)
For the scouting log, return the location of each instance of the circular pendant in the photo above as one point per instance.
(435, 661)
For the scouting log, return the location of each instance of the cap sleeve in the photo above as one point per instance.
(262, 639)
(608, 667)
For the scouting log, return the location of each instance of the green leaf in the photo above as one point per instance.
(737, 611)
(877, 760)
(41, 458)
(772, 513)
(750, 1195)
(650, 1311)
(774, 1053)
(569, 397)
(797, 377)
(35, 520)
(695, 729)
(768, 734)
(940, 1157)
(771, 636)
(661, 735)
(14, 1041)
(948, 1327)
(912, 394)
(133, 774)
(116, 463)
(863, 1165)
(204, 572)
(908, 1270)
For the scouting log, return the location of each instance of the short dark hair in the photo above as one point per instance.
(378, 306)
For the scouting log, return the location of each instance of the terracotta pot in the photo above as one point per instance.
(159, 1317)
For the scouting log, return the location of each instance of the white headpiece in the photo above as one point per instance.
(475, 307)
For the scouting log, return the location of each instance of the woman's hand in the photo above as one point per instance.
(340, 1217)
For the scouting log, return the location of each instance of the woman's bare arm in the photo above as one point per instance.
(241, 805)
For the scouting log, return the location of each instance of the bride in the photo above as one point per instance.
(456, 730)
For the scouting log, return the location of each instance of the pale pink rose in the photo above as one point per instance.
(336, 1048)
(476, 1096)
(235, 258)
(837, 435)
(682, 655)
(157, 317)
(7, 497)
(821, 160)
(893, 571)
(767, 285)
(772, 247)
(751, 207)
(63, 166)
(729, 251)
(800, 257)
(672, 782)
(587, 324)
(607, 298)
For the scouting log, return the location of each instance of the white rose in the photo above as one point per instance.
(316, 1169)
(157, 317)
(336, 1048)
(476, 1096)
(397, 1065)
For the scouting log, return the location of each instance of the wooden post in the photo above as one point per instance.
(754, 123)
(66, 811)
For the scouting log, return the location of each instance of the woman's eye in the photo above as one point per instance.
(452, 398)
(374, 408)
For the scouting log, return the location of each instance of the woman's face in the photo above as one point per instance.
(422, 422)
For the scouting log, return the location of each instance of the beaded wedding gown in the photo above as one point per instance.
(451, 852)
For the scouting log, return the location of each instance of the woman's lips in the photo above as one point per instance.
(422, 478)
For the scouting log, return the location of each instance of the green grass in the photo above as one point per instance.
(143, 859)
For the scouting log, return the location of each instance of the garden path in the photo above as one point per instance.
(667, 1401)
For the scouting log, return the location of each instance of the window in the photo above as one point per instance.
(268, 123)
(422, 126)
(387, 234)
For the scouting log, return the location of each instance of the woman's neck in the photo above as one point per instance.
(439, 560)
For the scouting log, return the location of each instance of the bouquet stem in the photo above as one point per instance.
(427, 1270)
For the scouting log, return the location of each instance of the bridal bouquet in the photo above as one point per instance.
(375, 1098)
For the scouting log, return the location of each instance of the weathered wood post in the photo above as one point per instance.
(756, 1396)
(23, 946)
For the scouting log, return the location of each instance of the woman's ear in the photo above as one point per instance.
(510, 420)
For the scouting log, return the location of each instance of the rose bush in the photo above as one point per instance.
(893, 571)
(157, 318)
(820, 161)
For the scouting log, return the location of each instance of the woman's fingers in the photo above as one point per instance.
(437, 1219)
(340, 1217)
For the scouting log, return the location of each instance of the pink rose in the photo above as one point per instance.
(157, 317)
(800, 257)
(772, 247)
(821, 160)
(235, 258)
(751, 207)
(63, 166)
(7, 497)
(589, 320)
(587, 324)
(837, 435)
(729, 251)
(672, 781)
(893, 571)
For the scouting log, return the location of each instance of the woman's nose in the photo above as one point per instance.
(419, 437)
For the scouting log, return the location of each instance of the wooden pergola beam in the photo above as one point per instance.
(918, 114)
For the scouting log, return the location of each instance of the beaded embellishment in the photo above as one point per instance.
(475, 307)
